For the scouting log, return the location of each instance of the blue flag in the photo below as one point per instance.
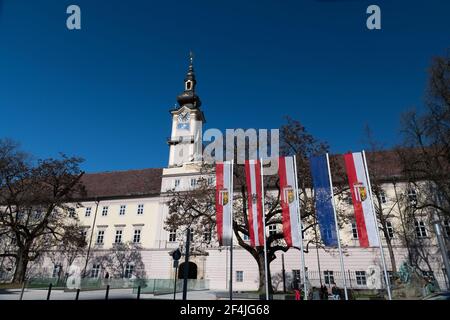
(324, 207)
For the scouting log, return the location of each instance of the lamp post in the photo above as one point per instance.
(176, 255)
(186, 263)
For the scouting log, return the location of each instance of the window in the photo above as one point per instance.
(100, 236)
(137, 236)
(95, 271)
(207, 235)
(105, 211)
(172, 236)
(382, 196)
(245, 237)
(272, 229)
(122, 210)
(129, 269)
(72, 212)
(140, 209)
(193, 182)
(87, 213)
(239, 276)
(447, 227)
(412, 197)
(118, 238)
(328, 276)
(389, 229)
(296, 273)
(210, 181)
(37, 214)
(428, 274)
(56, 269)
(177, 183)
(84, 234)
(354, 230)
(421, 231)
(361, 278)
(391, 276)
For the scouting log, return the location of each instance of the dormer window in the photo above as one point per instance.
(188, 85)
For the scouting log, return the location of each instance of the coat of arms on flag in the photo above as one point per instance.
(360, 191)
(288, 194)
(223, 197)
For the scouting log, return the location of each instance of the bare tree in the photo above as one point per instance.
(33, 203)
(425, 157)
(196, 208)
(66, 251)
(125, 261)
(380, 173)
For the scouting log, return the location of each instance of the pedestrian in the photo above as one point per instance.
(316, 293)
(296, 288)
(335, 292)
(324, 292)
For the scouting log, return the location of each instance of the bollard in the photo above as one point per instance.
(107, 292)
(23, 289)
(78, 294)
(49, 291)
(139, 293)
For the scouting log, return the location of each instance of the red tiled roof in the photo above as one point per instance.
(385, 165)
(146, 182)
(142, 182)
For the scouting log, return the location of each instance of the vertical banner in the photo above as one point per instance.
(362, 202)
(321, 178)
(224, 202)
(289, 205)
(254, 200)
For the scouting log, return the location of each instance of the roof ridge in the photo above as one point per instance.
(123, 171)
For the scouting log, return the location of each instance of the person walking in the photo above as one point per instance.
(296, 288)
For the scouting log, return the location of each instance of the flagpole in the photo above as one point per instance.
(341, 258)
(301, 229)
(231, 245)
(386, 278)
(264, 230)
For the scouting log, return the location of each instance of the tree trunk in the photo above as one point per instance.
(21, 265)
(391, 254)
(262, 277)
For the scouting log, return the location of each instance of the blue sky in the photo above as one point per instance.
(104, 92)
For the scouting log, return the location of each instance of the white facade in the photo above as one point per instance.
(148, 214)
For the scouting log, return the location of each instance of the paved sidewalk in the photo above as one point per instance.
(41, 294)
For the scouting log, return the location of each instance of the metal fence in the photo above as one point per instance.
(98, 289)
(354, 279)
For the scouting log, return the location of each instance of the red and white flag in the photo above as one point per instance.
(224, 202)
(289, 202)
(255, 208)
(364, 215)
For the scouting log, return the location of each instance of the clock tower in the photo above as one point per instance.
(187, 121)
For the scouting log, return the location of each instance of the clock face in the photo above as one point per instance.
(183, 125)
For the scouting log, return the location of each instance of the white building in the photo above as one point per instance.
(131, 206)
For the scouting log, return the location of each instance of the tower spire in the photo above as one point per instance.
(188, 97)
